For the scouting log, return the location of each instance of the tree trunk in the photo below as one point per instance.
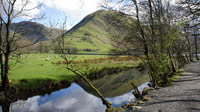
(136, 92)
(1, 53)
(187, 58)
(172, 64)
(2, 67)
(6, 106)
(196, 47)
(189, 48)
(5, 81)
(191, 57)
(144, 42)
(108, 104)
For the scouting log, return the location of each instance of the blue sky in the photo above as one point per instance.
(54, 10)
(52, 14)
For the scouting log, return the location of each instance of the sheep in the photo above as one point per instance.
(47, 59)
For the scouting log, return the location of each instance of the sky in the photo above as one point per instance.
(56, 10)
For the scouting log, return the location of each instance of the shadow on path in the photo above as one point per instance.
(183, 96)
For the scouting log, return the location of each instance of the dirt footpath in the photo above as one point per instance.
(182, 96)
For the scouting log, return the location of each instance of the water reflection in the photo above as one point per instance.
(118, 84)
(72, 99)
(125, 98)
(80, 98)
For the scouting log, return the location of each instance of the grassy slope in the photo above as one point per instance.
(91, 33)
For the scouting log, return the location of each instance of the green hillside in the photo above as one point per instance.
(94, 33)
(91, 33)
(33, 31)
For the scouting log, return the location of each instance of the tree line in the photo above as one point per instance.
(164, 34)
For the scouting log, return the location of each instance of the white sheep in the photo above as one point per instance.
(47, 59)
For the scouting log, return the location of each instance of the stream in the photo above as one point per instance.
(80, 98)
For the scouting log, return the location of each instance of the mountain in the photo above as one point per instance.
(93, 32)
(33, 31)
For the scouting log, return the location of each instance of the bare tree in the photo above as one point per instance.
(191, 9)
(13, 40)
(196, 34)
(191, 12)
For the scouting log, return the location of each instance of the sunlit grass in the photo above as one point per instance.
(35, 67)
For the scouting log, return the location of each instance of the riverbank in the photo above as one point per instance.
(22, 90)
(37, 71)
(48, 86)
(182, 96)
(116, 91)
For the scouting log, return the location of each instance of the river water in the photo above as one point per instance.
(80, 98)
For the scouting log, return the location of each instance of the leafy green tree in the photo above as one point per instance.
(153, 30)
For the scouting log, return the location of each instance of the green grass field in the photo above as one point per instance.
(35, 69)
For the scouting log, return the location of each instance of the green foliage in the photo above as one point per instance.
(171, 80)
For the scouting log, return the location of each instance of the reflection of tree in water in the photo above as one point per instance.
(11, 96)
(6, 98)
(5, 104)
(117, 84)
(7, 107)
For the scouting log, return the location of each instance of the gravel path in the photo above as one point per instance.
(182, 96)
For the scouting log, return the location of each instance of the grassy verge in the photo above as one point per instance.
(172, 79)
(175, 76)
(35, 70)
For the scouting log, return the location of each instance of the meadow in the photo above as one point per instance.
(32, 70)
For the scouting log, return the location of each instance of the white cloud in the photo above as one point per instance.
(72, 99)
(28, 105)
(74, 8)
(22, 8)
(30, 10)
(68, 27)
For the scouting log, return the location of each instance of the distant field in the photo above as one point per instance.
(36, 68)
